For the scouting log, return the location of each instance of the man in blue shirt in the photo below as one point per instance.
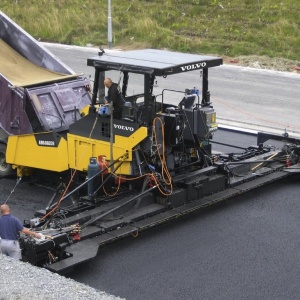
(10, 227)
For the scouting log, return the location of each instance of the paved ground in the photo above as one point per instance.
(245, 248)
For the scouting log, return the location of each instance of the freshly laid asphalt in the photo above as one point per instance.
(244, 248)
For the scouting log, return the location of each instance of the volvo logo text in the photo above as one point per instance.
(193, 67)
(122, 127)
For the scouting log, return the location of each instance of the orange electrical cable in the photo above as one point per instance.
(165, 171)
(71, 179)
(115, 193)
(135, 235)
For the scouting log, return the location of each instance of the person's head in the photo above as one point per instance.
(108, 82)
(4, 209)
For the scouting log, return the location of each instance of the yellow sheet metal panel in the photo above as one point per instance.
(47, 151)
(80, 149)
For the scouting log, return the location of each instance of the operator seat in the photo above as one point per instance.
(128, 112)
(187, 102)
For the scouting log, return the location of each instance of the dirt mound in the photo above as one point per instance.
(264, 62)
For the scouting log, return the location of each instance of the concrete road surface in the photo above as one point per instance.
(244, 97)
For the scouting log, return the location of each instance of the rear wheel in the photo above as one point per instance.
(5, 168)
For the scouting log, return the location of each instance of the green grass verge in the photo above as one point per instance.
(227, 28)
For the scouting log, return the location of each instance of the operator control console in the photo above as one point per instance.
(185, 124)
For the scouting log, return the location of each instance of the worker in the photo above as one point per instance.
(10, 227)
(114, 96)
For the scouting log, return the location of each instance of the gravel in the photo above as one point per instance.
(20, 280)
(265, 62)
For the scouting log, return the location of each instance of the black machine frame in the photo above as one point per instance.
(196, 177)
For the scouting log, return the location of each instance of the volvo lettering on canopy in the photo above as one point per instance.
(193, 67)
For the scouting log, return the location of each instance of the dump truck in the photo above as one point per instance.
(38, 92)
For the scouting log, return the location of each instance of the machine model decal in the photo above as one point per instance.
(47, 143)
(50, 139)
(193, 67)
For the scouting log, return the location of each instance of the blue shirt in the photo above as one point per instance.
(10, 227)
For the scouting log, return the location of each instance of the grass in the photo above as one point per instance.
(226, 28)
